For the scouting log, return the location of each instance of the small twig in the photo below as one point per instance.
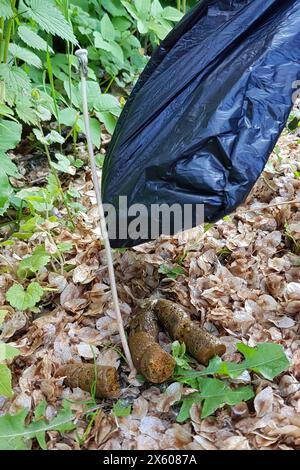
(82, 55)
(285, 203)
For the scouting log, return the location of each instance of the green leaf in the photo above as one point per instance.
(33, 263)
(217, 393)
(7, 352)
(143, 8)
(5, 191)
(187, 403)
(121, 408)
(32, 39)
(5, 383)
(6, 11)
(172, 14)
(23, 299)
(7, 165)
(95, 130)
(267, 359)
(50, 19)
(107, 28)
(180, 356)
(10, 134)
(171, 273)
(26, 55)
(17, 82)
(111, 47)
(68, 116)
(107, 103)
(63, 164)
(15, 435)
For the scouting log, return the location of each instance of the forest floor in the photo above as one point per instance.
(242, 280)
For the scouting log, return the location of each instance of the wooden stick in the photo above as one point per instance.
(82, 55)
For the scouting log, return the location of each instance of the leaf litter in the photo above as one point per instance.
(241, 281)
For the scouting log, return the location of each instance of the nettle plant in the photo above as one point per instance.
(39, 82)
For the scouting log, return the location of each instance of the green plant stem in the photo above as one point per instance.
(52, 85)
(184, 6)
(1, 37)
(179, 5)
(8, 32)
(55, 174)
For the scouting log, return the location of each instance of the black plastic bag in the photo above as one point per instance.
(207, 111)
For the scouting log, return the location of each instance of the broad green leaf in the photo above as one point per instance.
(32, 39)
(156, 8)
(143, 8)
(33, 263)
(7, 165)
(5, 383)
(68, 116)
(108, 119)
(17, 82)
(267, 359)
(15, 435)
(111, 47)
(131, 9)
(172, 14)
(26, 55)
(95, 130)
(107, 103)
(63, 164)
(217, 393)
(107, 28)
(10, 134)
(114, 7)
(7, 352)
(50, 19)
(187, 403)
(121, 408)
(5, 191)
(6, 11)
(23, 299)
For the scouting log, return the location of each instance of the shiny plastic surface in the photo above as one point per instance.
(208, 109)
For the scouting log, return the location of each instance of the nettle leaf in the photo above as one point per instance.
(16, 81)
(5, 383)
(6, 11)
(15, 435)
(50, 19)
(267, 359)
(33, 263)
(122, 408)
(10, 134)
(23, 299)
(32, 39)
(7, 352)
(26, 55)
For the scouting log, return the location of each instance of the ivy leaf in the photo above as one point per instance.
(7, 352)
(50, 19)
(121, 408)
(267, 359)
(23, 299)
(15, 435)
(33, 263)
(5, 383)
